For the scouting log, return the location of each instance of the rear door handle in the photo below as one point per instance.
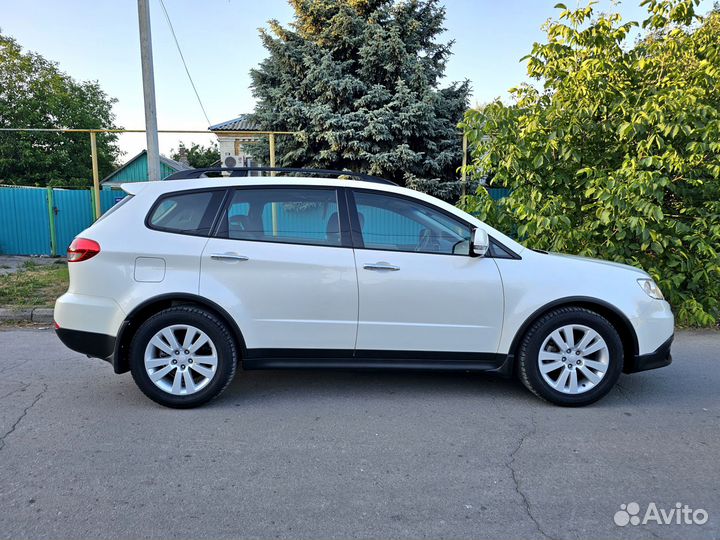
(228, 257)
(381, 266)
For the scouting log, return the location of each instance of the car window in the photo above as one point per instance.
(290, 215)
(398, 224)
(188, 213)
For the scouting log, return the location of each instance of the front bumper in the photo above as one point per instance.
(660, 357)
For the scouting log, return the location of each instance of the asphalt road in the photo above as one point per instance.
(297, 454)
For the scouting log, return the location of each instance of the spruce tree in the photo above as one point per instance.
(359, 80)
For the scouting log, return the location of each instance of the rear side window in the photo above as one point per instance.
(289, 215)
(186, 213)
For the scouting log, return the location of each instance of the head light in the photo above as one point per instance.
(651, 288)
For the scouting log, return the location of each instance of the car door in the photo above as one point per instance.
(419, 288)
(281, 264)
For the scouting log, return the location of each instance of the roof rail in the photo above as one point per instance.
(245, 171)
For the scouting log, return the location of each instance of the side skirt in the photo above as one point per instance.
(376, 360)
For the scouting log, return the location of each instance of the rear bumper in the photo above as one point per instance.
(91, 314)
(660, 357)
(95, 345)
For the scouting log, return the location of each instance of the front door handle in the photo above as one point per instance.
(381, 266)
(228, 257)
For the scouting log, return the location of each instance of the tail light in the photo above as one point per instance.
(82, 249)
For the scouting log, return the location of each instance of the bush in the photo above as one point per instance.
(615, 153)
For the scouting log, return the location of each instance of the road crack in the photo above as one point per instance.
(516, 481)
(20, 418)
(15, 366)
(21, 389)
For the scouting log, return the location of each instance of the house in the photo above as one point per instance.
(136, 170)
(234, 137)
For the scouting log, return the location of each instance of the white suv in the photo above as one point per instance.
(186, 279)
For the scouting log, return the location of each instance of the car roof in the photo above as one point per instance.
(166, 186)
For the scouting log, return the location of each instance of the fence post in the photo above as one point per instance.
(271, 140)
(51, 220)
(96, 175)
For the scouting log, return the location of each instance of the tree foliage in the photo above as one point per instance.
(34, 93)
(197, 155)
(359, 79)
(615, 152)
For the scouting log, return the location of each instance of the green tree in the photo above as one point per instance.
(615, 153)
(197, 155)
(34, 93)
(359, 79)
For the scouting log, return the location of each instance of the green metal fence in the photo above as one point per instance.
(43, 221)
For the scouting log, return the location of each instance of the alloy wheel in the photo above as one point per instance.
(181, 359)
(573, 359)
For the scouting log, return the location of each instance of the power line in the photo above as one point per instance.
(182, 57)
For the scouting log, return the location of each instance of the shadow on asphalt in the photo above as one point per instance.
(257, 387)
(649, 389)
(671, 386)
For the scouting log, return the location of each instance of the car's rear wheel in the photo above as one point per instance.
(183, 357)
(571, 356)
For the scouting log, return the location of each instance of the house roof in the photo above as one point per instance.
(241, 123)
(171, 163)
(174, 164)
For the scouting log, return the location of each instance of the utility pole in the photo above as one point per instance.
(148, 75)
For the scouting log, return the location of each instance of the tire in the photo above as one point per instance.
(183, 377)
(596, 363)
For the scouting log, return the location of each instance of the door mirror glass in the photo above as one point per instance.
(480, 242)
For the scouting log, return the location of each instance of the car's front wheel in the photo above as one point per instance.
(571, 356)
(183, 357)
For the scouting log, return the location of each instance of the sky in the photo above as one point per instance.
(98, 40)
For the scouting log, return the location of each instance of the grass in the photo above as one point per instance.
(33, 286)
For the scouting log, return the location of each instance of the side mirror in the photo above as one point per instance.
(480, 242)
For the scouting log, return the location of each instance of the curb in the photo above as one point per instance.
(35, 315)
